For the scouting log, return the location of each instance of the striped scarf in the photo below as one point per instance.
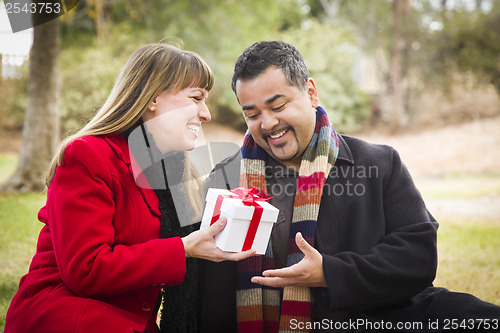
(260, 308)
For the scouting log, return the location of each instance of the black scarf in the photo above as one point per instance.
(179, 302)
(179, 310)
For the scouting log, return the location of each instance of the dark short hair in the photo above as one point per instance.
(262, 55)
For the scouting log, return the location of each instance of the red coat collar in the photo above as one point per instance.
(120, 147)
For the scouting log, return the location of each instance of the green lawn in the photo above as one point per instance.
(458, 186)
(469, 259)
(19, 229)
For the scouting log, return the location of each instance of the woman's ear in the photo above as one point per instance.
(152, 105)
(150, 111)
(312, 92)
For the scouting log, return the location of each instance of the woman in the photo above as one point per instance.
(100, 262)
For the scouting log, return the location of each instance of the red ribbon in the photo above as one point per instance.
(249, 198)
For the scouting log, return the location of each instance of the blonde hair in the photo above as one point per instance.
(151, 70)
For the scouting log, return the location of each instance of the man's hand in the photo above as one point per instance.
(306, 273)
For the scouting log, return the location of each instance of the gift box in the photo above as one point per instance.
(250, 219)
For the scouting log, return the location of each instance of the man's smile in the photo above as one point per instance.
(278, 137)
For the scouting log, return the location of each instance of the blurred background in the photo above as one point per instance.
(420, 75)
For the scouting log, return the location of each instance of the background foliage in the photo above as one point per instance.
(443, 43)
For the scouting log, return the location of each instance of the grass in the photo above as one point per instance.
(469, 259)
(19, 229)
(458, 186)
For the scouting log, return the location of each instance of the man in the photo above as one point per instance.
(354, 247)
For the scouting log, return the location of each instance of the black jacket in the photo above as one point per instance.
(376, 236)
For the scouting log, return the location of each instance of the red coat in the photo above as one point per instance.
(99, 264)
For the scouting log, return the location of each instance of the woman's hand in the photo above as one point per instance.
(201, 244)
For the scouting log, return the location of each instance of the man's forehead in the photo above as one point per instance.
(263, 88)
(270, 72)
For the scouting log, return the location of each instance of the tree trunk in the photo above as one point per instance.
(396, 65)
(41, 124)
(102, 20)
